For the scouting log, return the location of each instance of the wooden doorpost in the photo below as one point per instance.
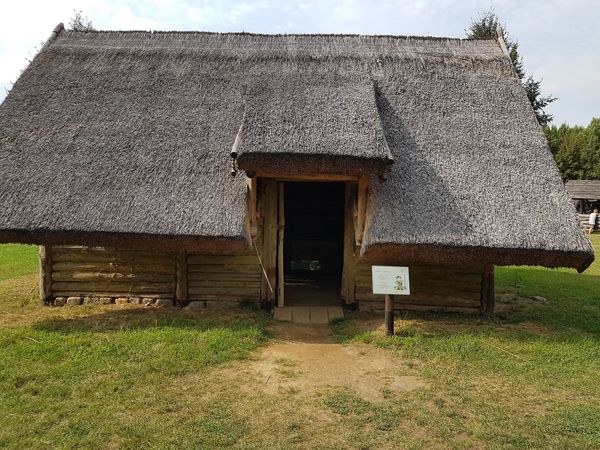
(389, 315)
(280, 240)
(348, 271)
(45, 253)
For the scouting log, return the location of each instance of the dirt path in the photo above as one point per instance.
(304, 359)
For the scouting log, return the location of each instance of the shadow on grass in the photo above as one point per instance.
(135, 318)
(573, 300)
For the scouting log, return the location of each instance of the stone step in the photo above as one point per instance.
(308, 314)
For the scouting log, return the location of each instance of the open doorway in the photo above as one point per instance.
(313, 247)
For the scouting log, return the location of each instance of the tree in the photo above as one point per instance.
(486, 26)
(80, 22)
(576, 150)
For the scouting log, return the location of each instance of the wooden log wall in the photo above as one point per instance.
(224, 278)
(103, 272)
(432, 287)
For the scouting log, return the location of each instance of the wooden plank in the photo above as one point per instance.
(107, 258)
(181, 279)
(111, 267)
(99, 251)
(280, 241)
(194, 259)
(432, 271)
(137, 287)
(111, 276)
(215, 276)
(223, 291)
(307, 177)
(225, 284)
(378, 306)
(80, 293)
(348, 275)
(429, 300)
(227, 298)
(488, 297)
(223, 269)
(45, 280)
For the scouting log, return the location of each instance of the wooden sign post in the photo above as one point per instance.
(390, 281)
(389, 315)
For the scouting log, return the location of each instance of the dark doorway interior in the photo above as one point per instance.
(314, 243)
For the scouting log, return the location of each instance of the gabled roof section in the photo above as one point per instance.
(312, 121)
(583, 189)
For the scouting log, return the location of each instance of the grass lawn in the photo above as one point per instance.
(132, 377)
(17, 260)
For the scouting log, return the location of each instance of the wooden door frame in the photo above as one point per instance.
(280, 242)
(352, 192)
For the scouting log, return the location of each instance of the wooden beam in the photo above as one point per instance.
(280, 255)
(181, 281)
(252, 214)
(348, 272)
(308, 177)
(268, 210)
(488, 298)
(389, 315)
(45, 253)
(361, 209)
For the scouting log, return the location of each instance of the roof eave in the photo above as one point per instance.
(446, 254)
(233, 245)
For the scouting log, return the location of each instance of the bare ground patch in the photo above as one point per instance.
(305, 361)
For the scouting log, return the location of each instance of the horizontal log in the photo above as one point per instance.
(108, 251)
(224, 268)
(115, 258)
(91, 286)
(250, 286)
(112, 276)
(224, 291)
(431, 300)
(104, 266)
(225, 298)
(366, 306)
(433, 283)
(220, 259)
(224, 277)
(109, 294)
(420, 290)
(432, 271)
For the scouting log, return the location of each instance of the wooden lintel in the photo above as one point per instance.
(308, 177)
(45, 252)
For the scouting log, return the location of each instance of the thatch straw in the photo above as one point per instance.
(127, 135)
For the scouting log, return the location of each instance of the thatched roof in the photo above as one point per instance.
(125, 137)
(583, 189)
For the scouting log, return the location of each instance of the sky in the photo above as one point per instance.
(559, 40)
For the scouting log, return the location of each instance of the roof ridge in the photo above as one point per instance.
(55, 32)
(270, 35)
